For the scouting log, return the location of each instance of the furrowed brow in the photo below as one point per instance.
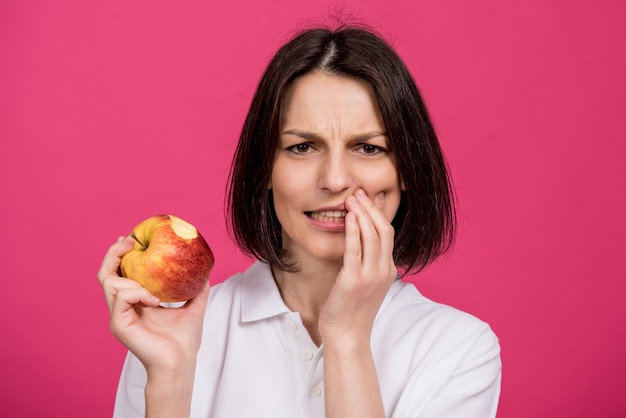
(366, 136)
(315, 137)
(303, 134)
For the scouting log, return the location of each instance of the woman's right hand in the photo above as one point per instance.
(166, 340)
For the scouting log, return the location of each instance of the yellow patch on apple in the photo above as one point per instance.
(170, 258)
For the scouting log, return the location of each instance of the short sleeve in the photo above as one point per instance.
(130, 398)
(472, 390)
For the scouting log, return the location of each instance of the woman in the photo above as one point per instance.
(337, 181)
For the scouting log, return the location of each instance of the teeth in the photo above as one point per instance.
(329, 215)
(333, 213)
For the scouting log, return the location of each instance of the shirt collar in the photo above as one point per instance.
(260, 298)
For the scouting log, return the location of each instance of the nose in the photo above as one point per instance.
(335, 173)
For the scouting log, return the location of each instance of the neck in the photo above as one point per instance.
(305, 291)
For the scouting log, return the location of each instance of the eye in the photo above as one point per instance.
(303, 148)
(370, 149)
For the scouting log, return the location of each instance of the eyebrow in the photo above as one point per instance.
(312, 136)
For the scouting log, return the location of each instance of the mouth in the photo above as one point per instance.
(328, 215)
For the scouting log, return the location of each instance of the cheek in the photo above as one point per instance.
(287, 187)
(385, 180)
(392, 203)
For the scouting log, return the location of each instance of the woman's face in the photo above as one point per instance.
(331, 143)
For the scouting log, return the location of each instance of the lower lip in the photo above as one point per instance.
(327, 226)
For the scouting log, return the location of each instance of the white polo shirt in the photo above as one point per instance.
(257, 360)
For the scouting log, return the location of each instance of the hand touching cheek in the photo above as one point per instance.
(367, 273)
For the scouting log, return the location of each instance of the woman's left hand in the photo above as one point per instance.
(366, 276)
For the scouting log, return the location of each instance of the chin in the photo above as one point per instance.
(331, 252)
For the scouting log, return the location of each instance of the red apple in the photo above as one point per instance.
(170, 258)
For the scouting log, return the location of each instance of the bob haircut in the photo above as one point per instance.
(425, 222)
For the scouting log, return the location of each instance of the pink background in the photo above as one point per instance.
(113, 111)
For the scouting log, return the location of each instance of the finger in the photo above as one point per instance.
(370, 241)
(373, 207)
(112, 285)
(129, 296)
(384, 230)
(111, 260)
(379, 201)
(353, 252)
(200, 301)
(377, 236)
(123, 310)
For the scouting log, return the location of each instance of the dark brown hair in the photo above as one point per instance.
(425, 221)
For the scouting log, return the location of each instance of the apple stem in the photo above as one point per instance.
(143, 246)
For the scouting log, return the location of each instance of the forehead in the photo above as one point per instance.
(320, 98)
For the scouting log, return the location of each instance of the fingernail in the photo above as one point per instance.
(361, 193)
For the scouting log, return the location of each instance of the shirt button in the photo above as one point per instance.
(292, 326)
(316, 392)
(307, 355)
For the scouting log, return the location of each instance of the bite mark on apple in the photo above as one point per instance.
(183, 228)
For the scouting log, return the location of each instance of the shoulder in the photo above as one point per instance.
(404, 300)
(449, 357)
(416, 321)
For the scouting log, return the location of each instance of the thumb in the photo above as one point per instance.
(199, 302)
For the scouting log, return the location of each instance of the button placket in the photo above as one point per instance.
(293, 327)
(315, 392)
(307, 358)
